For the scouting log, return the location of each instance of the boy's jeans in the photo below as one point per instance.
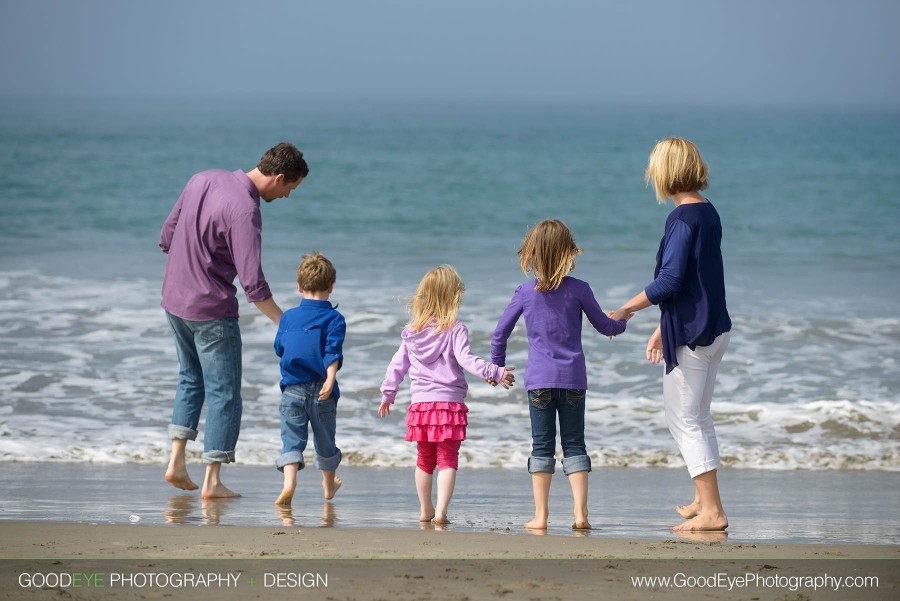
(210, 356)
(543, 405)
(300, 408)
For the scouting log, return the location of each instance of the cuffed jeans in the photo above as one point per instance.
(687, 392)
(543, 406)
(301, 408)
(209, 353)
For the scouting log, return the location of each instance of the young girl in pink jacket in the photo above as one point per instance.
(434, 349)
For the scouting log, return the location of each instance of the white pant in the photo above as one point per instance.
(687, 392)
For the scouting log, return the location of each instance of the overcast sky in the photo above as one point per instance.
(743, 52)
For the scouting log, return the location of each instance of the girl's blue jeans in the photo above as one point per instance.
(209, 353)
(544, 404)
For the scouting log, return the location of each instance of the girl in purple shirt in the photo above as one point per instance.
(556, 378)
(434, 350)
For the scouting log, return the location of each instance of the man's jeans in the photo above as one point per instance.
(210, 356)
(301, 408)
(543, 406)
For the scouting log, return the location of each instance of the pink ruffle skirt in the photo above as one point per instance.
(436, 421)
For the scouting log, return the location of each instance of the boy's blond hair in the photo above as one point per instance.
(675, 166)
(548, 252)
(437, 300)
(316, 273)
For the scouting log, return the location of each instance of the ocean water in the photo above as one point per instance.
(808, 201)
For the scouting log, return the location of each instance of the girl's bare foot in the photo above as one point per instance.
(331, 485)
(688, 511)
(440, 520)
(180, 479)
(581, 525)
(704, 521)
(426, 516)
(537, 524)
(285, 498)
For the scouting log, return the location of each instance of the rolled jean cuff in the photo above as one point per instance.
(328, 464)
(289, 458)
(217, 457)
(177, 432)
(578, 463)
(541, 465)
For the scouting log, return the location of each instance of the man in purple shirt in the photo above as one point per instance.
(211, 236)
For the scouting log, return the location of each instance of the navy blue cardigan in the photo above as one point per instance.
(689, 284)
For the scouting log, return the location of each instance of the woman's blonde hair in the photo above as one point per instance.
(549, 253)
(675, 166)
(437, 300)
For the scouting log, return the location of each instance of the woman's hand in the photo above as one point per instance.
(654, 347)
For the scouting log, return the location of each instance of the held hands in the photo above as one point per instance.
(384, 409)
(654, 347)
(619, 314)
(506, 381)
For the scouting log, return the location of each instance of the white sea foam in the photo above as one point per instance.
(87, 374)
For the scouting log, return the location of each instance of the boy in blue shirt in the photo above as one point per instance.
(309, 341)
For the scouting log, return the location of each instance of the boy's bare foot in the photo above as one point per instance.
(702, 522)
(180, 479)
(581, 525)
(285, 498)
(218, 491)
(331, 486)
(688, 511)
(537, 524)
(440, 520)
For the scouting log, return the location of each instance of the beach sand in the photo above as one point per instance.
(123, 522)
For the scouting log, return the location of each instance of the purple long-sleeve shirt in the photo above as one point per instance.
(212, 235)
(553, 324)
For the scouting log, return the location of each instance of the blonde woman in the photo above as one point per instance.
(694, 328)
(434, 350)
(556, 378)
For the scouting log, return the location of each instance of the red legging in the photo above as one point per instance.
(442, 454)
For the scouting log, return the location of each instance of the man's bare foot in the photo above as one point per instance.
(688, 511)
(331, 486)
(180, 479)
(581, 525)
(537, 524)
(703, 522)
(440, 520)
(285, 498)
(218, 491)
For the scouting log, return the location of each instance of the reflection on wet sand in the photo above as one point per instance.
(179, 509)
(214, 509)
(708, 537)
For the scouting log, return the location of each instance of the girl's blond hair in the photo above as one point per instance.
(437, 300)
(549, 253)
(675, 166)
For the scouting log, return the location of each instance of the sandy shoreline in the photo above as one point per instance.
(364, 563)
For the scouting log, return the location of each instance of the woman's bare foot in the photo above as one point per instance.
(331, 484)
(180, 479)
(581, 525)
(704, 521)
(537, 523)
(688, 511)
(440, 520)
(426, 515)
